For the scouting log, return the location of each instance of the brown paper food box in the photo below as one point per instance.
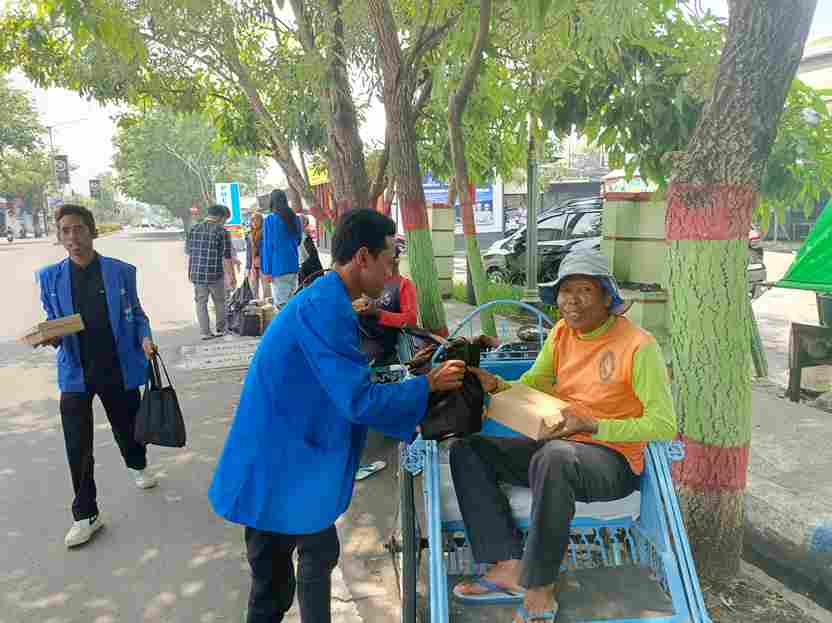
(526, 411)
(60, 327)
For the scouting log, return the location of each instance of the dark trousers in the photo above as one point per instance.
(77, 421)
(273, 574)
(559, 473)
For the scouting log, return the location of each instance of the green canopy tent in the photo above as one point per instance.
(812, 268)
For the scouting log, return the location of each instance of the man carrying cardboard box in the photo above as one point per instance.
(108, 358)
(613, 377)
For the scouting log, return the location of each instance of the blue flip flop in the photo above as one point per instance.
(495, 595)
(546, 615)
(365, 471)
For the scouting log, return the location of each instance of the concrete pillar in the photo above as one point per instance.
(634, 241)
(441, 221)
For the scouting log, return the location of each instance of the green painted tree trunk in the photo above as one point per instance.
(399, 78)
(712, 390)
(711, 197)
(457, 102)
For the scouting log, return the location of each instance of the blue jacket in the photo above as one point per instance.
(294, 447)
(280, 247)
(127, 318)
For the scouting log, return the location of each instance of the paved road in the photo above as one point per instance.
(164, 557)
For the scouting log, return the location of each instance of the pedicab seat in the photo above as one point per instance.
(520, 500)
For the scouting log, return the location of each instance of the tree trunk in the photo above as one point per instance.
(709, 205)
(294, 199)
(347, 169)
(456, 108)
(352, 186)
(401, 129)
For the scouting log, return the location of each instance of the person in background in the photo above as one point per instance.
(281, 237)
(287, 469)
(236, 264)
(107, 359)
(310, 261)
(210, 259)
(254, 247)
(380, 319)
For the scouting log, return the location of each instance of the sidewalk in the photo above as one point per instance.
(788, 502)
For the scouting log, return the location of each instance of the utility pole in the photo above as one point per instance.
(530, 294)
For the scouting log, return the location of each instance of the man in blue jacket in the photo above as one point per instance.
(287, 470)
(107, 359)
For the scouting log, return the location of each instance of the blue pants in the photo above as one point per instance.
(282, 288)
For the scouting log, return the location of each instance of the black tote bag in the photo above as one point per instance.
(159, 421)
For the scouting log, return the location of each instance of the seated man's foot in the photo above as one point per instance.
(504, 576)
(539, 605)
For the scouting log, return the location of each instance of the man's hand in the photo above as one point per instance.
(576, 419)
(447, 376)
(364, 307)
(54, 343)
(489, 381)
(149, 348)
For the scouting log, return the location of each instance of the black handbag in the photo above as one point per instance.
(159, 420)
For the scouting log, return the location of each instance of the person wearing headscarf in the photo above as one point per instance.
(254, 248)
(381, 319)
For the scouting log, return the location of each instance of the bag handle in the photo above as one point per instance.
(154, 381)
(157, 359)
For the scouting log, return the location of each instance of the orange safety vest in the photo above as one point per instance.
(597, 373)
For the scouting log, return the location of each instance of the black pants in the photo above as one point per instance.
(273, 574)
(558, 472)
(77, 421)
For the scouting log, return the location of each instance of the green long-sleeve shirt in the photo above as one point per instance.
(650, 385)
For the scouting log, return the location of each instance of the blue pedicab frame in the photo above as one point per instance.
(655, 540)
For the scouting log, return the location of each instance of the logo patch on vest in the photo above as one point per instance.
(607, 366)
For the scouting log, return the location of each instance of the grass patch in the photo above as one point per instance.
(503, 291)
(108, 228)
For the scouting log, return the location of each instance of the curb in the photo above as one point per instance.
(794, 543)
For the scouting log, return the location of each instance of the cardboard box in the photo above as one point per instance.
(527, 411)
(49, 330)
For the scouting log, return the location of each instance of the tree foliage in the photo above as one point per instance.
(173, 160)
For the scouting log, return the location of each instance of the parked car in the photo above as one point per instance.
(573, 226)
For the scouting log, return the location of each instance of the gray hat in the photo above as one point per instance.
(591, 263)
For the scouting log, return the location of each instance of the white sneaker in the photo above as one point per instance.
(82, 531)
(143, 479)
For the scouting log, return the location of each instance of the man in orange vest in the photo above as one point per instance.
(613, 375)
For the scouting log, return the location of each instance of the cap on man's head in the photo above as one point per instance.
(591, 263)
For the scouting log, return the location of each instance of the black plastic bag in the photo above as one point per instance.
(456, 413)
(241, 297)
(159, 420)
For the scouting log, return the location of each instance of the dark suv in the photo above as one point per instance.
(573, 225)
(576, 224)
